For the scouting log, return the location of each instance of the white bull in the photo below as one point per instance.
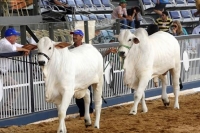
(70, 72)
(147, 57)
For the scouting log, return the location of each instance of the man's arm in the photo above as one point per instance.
(22, 50)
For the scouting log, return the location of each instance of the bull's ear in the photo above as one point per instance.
(116, 36)
(136, 40)
(62, 45)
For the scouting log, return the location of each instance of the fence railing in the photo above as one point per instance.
(23, 86)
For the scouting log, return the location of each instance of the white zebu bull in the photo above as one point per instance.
(70, 72)
(147, 57)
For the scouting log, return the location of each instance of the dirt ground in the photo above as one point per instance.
(159, 119)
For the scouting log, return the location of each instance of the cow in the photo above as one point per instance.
(146, 57)
(68, 73)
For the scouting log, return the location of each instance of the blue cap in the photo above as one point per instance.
(11, 32)
(77, 32)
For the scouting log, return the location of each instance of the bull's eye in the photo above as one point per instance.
(49, 48)
(129, 40)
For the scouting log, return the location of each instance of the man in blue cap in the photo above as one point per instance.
(8, 44)
(77, 39)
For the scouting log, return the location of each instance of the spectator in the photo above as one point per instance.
(133, 15)
(77, 39)
(152, 28)
(63, 6)
(120, 12)
(177, 29)
(160, 6)
(198, 8)
(8, 44)
(196, 30)
(164, 22)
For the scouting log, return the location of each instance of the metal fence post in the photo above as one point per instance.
(23, 34)
(86, 31)
(117, 26)
(31, 83)
(35, 7)
(51, 33)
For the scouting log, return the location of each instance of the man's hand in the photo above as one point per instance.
(112, 50)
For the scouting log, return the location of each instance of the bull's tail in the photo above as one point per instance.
(180, 84)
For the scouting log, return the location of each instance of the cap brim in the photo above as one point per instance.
(71, 32)
(17, 34)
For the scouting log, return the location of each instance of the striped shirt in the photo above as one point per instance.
(164, 25)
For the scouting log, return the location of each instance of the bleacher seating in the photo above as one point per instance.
(107, 5)
(175, 15)
(186, 15)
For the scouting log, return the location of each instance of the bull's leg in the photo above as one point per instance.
(164, 90)
(62, 108)
(175, 81)
(144, 106)
(98, 101)
(87, 103)
(143, 82)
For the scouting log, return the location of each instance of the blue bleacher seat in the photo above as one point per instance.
(71, 3)
(98, 4)
(107, 4)
(146, 4)
(108, 16)
(85, 18)
(175, 15)
(180, 3)
(100, 16)
(191, 2)
(92, 17)
(186, 15)
(88, 4)
(78, 17)
(79, 3)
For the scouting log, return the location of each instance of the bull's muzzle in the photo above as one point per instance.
(121, 54)
(41, 63)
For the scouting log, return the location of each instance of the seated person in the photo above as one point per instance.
(133, 15)
(177, 29)
(120, 12)
(160, 6)
(152, 28)
(198, 8)
(63, 6)
(164, 22)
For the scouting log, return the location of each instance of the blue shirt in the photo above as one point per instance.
(164, 1)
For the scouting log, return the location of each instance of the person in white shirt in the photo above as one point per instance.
(8, 44)
(196, 30)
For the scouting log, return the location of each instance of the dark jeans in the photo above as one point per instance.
(80, 104)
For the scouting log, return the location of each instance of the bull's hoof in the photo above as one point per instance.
(165, 103)
(132, 113)
(96, 126)
(88, 126)
(87, 123)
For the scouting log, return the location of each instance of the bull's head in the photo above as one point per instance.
(46, 48)
(126, 40)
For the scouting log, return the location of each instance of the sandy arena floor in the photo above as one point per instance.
(159, 119)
